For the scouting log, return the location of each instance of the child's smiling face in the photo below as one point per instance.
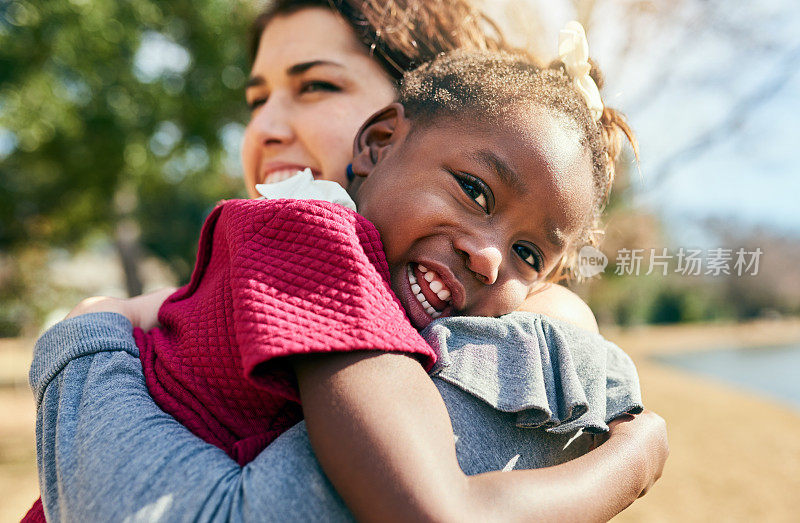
(472, 215)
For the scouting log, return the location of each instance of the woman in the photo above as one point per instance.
(325, 77)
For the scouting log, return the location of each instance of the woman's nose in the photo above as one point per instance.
(272, 122)
(482, 256)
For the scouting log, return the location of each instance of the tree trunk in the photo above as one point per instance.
(130, 254)
(126, 238)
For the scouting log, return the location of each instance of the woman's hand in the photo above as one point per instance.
(142, 311)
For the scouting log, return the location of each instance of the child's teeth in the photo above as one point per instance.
(425, 305)
(434, 284)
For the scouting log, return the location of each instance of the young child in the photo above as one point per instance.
(480, 182)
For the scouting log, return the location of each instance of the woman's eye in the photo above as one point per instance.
(529, 256)
(474, 190)
(317, 85)
(256, 103)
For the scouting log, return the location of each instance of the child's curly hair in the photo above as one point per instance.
(490, 85)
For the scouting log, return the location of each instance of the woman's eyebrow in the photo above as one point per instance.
(254, 81)
(302, 67)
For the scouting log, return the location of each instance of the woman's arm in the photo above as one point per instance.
(104, 395)
(106, 452)
(381, 432)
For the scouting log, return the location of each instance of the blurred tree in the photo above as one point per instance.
(114, 117)
(774, 289)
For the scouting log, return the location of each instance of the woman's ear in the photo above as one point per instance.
(382, 130)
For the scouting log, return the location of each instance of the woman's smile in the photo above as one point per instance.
(274, 172)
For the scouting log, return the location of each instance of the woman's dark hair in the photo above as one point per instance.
(399, 34)
(487, 86)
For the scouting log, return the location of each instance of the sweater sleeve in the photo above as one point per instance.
(106, 452)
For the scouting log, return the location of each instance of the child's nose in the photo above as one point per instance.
(482, 257)
(272, 122)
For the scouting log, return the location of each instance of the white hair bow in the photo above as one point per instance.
(573, 51)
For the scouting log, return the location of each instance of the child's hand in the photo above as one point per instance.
(647, 432)
(142, 311)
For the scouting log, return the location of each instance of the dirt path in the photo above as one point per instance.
(735, 456)
(18, 480)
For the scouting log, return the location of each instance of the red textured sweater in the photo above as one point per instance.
(274, 278)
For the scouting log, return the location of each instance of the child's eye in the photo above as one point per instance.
(318, 85)
(529, 256)
(475, 189)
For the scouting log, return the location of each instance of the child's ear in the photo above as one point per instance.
(382, 130)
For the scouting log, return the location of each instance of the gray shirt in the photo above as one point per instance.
(520, 390)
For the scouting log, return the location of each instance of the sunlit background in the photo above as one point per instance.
(120, 125)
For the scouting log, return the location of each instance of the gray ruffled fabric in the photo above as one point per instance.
(550, 373)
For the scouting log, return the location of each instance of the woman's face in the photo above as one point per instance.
(311, 87)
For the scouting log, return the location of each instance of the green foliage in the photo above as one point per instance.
(640, 300)
(92, 127)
